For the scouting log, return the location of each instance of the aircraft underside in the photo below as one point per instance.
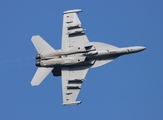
(76, 56)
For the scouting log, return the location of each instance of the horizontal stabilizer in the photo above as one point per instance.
(40, 75)
(41, 45)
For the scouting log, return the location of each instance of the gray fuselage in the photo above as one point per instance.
(84, 55)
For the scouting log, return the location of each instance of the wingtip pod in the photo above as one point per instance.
(72, 11)
(72, 103)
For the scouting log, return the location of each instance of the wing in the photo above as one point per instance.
(72, 79)
(72, 32)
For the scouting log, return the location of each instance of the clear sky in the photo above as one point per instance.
(129, 88)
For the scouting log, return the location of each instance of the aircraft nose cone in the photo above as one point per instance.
(142, 48)
(136, 49)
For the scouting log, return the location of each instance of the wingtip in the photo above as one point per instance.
(72, 11)
(72, 103)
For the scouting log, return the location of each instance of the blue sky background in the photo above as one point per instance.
(129, 88)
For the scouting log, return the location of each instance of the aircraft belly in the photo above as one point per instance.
(102, 61)
(101, 46)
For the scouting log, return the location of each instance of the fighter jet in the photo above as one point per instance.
(75, 58)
